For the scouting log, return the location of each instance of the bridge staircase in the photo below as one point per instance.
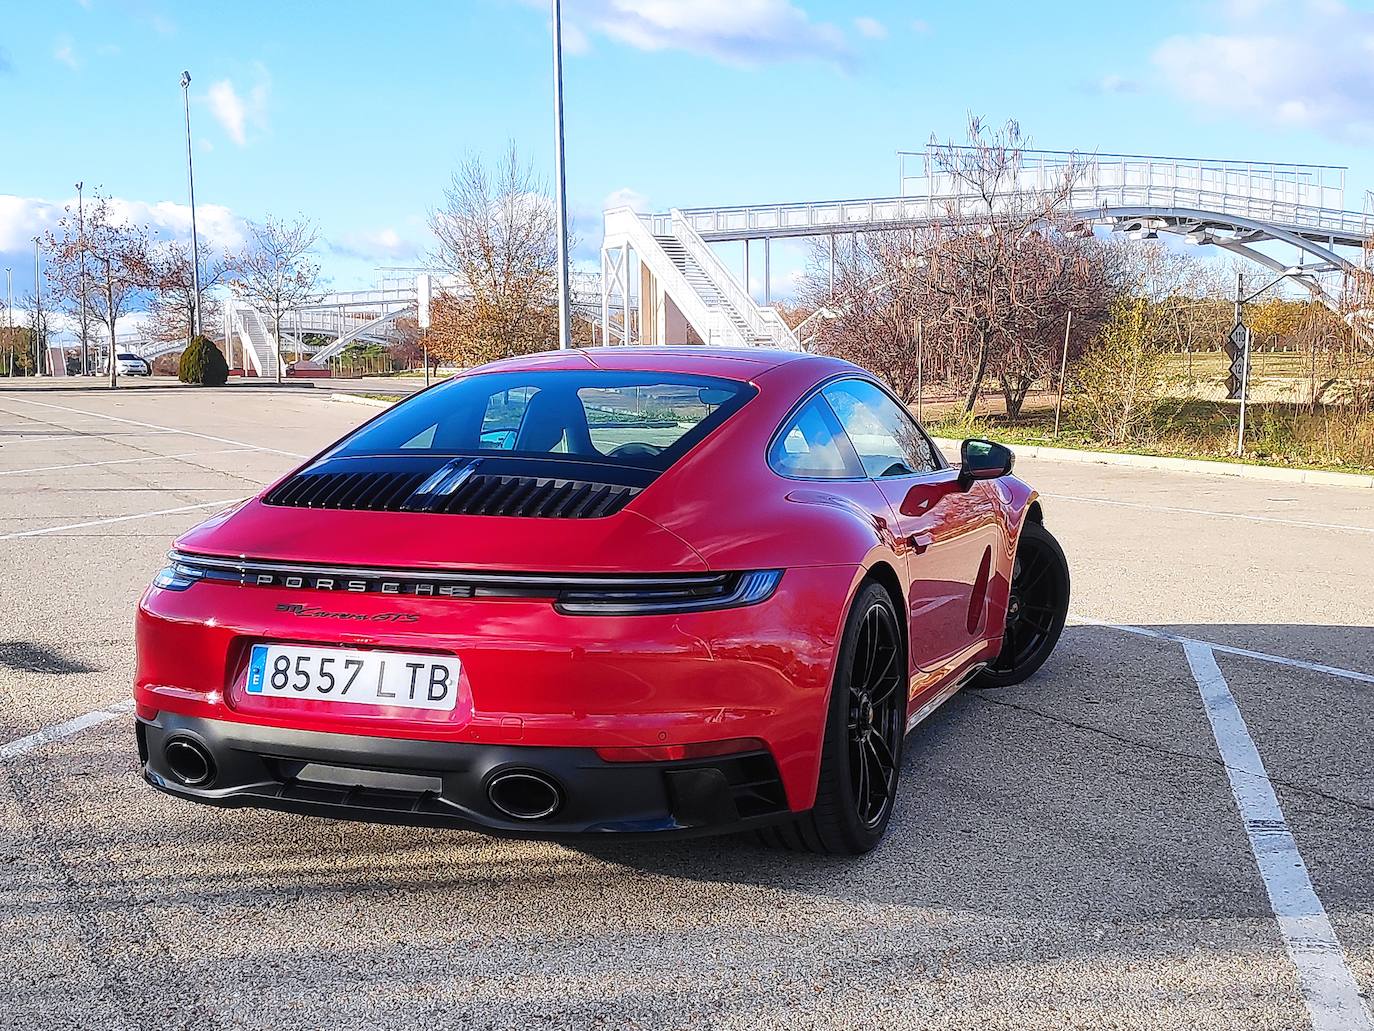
(680, 275)
(258, 348)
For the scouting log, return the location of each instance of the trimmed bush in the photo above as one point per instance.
(203, 363)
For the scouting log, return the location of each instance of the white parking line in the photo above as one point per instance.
(149, 425)
(1209, 512)
(1282, 660)
(1328, 988)
(115, 519)
(126, 461)
(74, 436)
(61, 730)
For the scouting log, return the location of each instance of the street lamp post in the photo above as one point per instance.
(81, 288)
(9, 317)
(564, 301)
(191, 182)
(37, 314)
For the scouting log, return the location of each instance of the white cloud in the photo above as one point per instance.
(575, 41)
(236, 113)
(23, 218)
(1305, 65)
(626, 198)
(740, 32)
(872, 28)
(65, 53)
(380, 244)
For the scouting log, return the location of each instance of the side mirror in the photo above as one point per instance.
(983, 460)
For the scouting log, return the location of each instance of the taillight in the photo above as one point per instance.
(696, 594)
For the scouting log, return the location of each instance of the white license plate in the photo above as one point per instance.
(405, 679)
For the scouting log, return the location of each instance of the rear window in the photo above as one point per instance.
(643, 420)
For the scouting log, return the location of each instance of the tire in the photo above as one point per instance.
(1036, 609)
(847, 819)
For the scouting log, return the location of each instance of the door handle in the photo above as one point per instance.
(919, 542)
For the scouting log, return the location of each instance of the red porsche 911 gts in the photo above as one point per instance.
(621, 590)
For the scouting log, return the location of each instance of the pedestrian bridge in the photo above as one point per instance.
(687, 292)
(342, 319)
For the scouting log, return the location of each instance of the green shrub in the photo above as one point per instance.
(1121, 376)
(203, 363)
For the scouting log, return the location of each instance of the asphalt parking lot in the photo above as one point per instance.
(1097, 848)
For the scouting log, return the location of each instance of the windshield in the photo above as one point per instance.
(644, 420)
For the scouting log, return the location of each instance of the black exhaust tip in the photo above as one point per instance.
(525, 794)
(189, 762)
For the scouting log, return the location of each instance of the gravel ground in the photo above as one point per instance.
(1066, 854)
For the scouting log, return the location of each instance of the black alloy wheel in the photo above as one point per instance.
(861, 754)
(876, 714)
(1037, 607)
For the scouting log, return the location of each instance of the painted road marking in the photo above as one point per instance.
(126, 461)
(1282, 660)
(1209, 512)
(148, 425)
(77, 436)
(1328, 988)
(61, 730)
(116, 519)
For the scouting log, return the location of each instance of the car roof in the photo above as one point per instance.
(738, 363)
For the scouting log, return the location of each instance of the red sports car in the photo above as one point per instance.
(635, 590)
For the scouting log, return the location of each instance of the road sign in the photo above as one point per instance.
(1235, 350)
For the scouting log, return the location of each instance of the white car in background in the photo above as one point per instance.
(133, 365)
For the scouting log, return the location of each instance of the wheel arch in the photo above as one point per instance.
(882, 573)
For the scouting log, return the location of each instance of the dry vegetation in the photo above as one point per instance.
(983, 300)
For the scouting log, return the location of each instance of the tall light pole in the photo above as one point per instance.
(191, 181)
(81, 288)
(37, 314)
(9, 316)
(564, 300)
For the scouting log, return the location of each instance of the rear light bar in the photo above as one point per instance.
(671, 753)
(573, 595)
(729, 590)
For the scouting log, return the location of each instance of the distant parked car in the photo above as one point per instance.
(133, 365)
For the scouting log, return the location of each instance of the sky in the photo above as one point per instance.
(355, 115)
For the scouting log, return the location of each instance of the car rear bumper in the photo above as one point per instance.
(446, 784)
(531, 678)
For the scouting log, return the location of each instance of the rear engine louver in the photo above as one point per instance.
(392, 491)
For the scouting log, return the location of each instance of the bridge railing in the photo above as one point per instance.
(823, 217)
(1307, 198)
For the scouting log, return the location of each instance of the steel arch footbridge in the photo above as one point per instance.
(1240, 206)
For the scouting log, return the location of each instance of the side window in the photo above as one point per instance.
(812, 446)
(887, 439)
(501, 421)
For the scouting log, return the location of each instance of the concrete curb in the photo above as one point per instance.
(354, 399)
(1183, 465)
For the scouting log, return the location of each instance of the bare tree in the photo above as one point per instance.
(172, 284)
(275, 273)
(497, 235)
(984, 292)
(117, 266)
(879, 311)
(999, 255)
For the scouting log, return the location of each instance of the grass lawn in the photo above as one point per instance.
(1276, 434)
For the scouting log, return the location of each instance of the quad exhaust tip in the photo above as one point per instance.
(189, 761)
(525, 794)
